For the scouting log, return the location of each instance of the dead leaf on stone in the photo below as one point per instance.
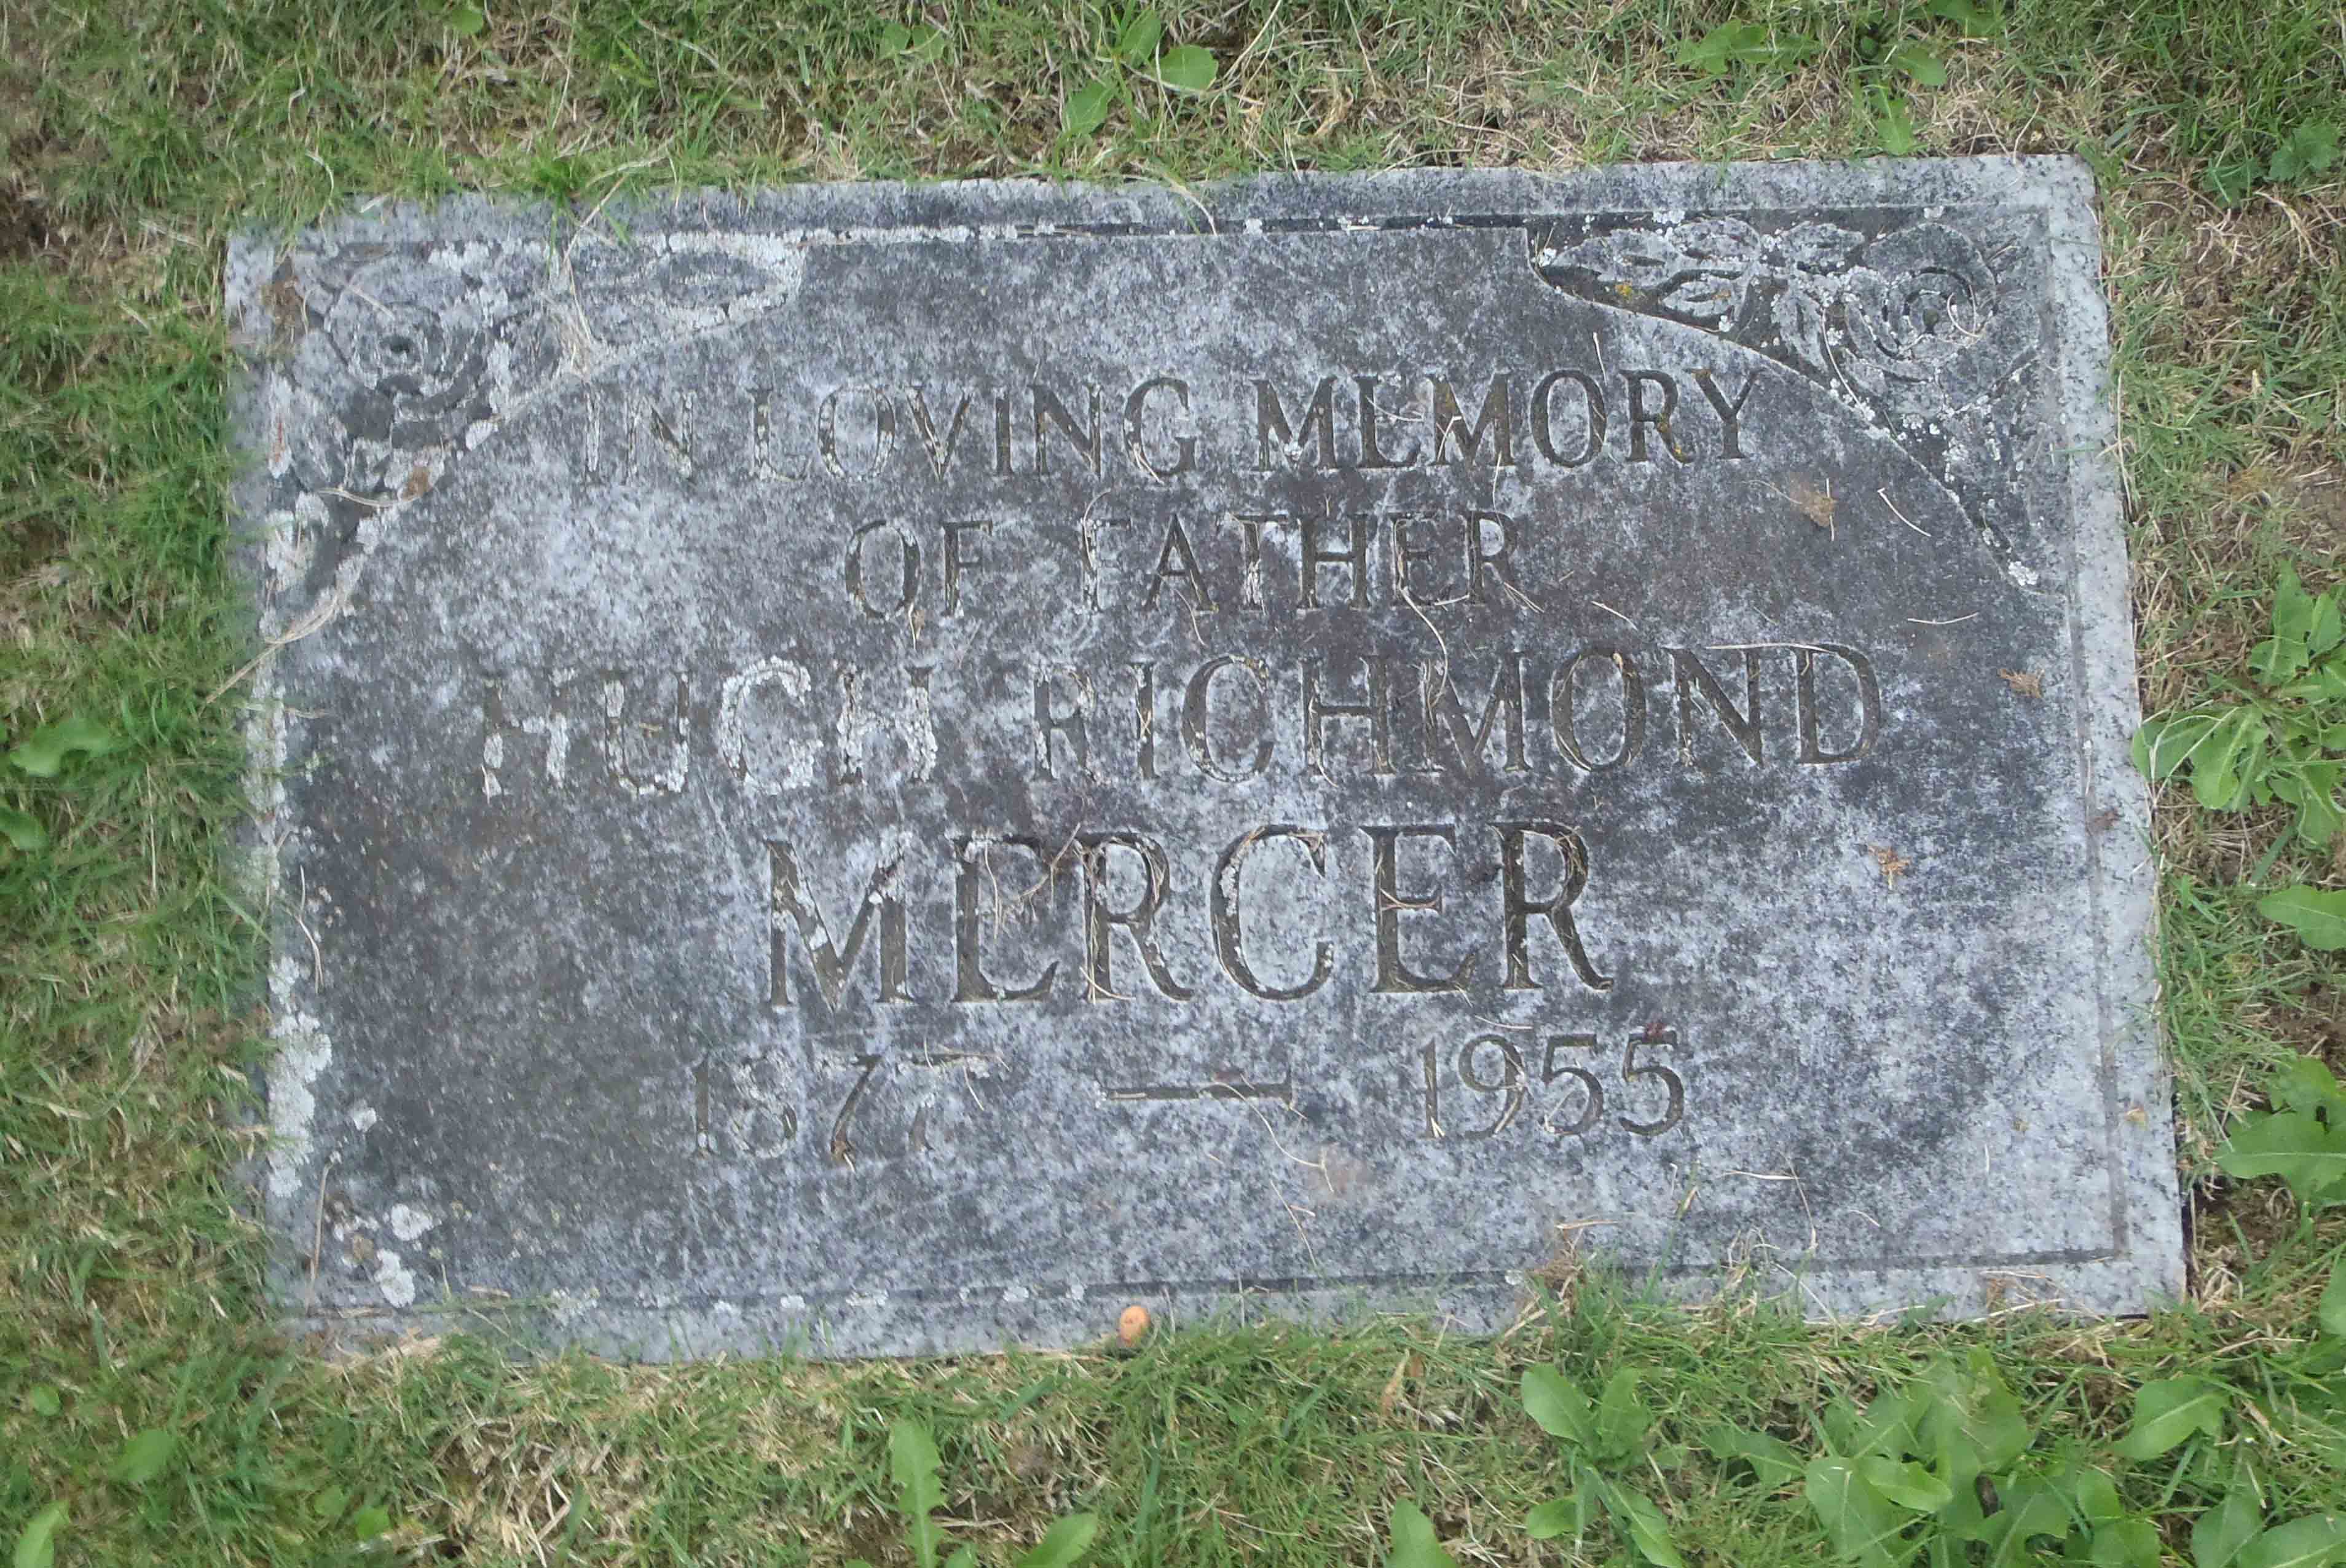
(419, 480)
(286, 307)
(1815, 505)
(2103, 820)
(2024, 682)
(1893, 864)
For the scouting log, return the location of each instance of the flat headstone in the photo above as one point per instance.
(898, 769)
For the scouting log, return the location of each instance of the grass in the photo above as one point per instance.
(138, 131)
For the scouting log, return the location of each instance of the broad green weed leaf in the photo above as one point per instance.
(1919, 63)
(1905, 1483)
(2293, 1146)
(912, 1465)
(45, 1400)
(1646, 1529)
(1839, 1420)
(1970, 1420)
(895, 39)
(1992, 1416)
(43, 752)
(2309, 149)
(2220, 766)
(1137, 43)
(1888, 1425)
(2031, 1509)
(1188, 68)
(2167, 1412)
(2219, 1532)
(23, 830)
(1569, 1515)
(143, 1457)
(2312, 788)
(1958, 1465)
(2292, 611)
(329, 1504)
(963, 1557)
(2314, 1542)
(2123, 1544)
(2304, 1084)
(1411, 1540)
(2326, 627)
(1087, 107)
(369, 1523)
(927, 42)
(2297, 619)
(1977, 20)
(37, 1544)
(2164, 745)
(2332, 1313)
(2230, 179)
(1622, 1418)
(2090, 1493)
(1771, 1459)
(1863, 1525)
(1722, 46)
(2319, 918)
(1734, 44)
(1060, 1545)
(1560, 1408)
(467, 21)
(1893, 123)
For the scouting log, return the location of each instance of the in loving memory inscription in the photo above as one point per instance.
(897, 768)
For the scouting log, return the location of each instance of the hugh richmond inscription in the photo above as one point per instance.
(897, 768)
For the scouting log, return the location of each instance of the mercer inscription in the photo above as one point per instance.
(897, 770)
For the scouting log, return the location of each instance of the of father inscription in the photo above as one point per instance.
(896, 769)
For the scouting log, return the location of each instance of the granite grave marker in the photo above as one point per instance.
(898, 769)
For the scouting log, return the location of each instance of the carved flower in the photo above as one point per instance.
(1923, 296)
(397, 328)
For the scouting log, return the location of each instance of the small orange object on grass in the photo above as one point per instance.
(1132, 1327)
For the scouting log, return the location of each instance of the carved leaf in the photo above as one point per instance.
(1642, 259)
(1707, 297)
(1820, 247)
(1724, 253)
(1719, 243)
(1801, 320)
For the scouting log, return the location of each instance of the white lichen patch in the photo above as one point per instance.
(393, 1278)
(408, 1222)
(302, 1052)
